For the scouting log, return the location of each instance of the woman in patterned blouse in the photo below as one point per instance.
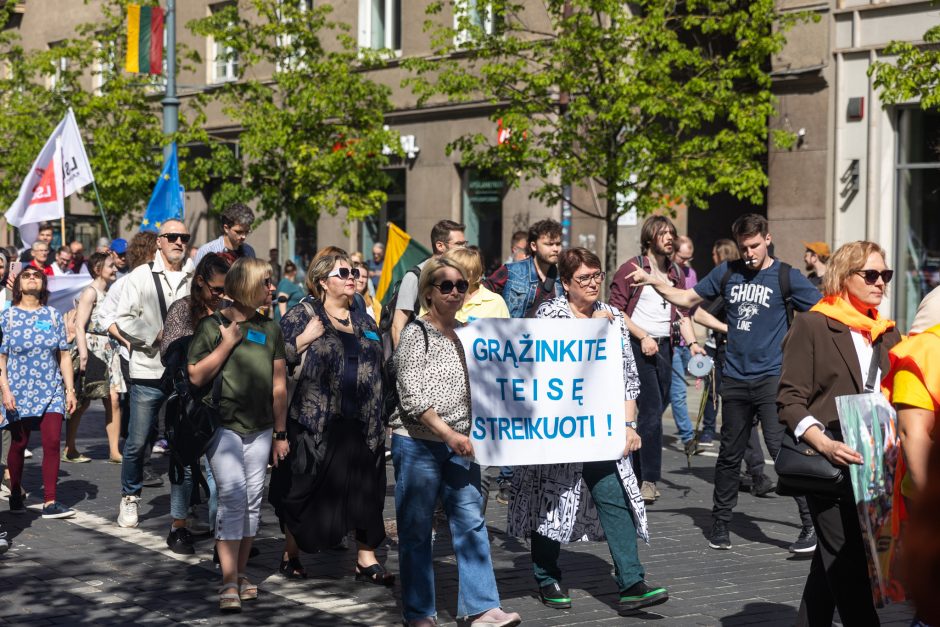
(604, 492)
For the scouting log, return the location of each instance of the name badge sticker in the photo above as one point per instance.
(256, 336)
(372, 335)
(43, 325)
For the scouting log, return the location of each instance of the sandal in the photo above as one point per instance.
(78, 459)
(115, 460)
(247, 591)
(375, 574)
(229, 601)
(292, 568)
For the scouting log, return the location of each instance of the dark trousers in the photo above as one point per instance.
(838, 575)
(741, 402)
(613, 509)
(655, 379)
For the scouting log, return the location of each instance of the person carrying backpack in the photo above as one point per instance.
(761, 294)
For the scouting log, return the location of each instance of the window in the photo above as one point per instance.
(292, 58)
(483, 215)
(104, 64)
(473, 18)
(918, 211)
(60, 67)
(224, 59)
(380, 24)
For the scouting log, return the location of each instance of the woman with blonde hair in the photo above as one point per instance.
(433, 458)
(237, 356)
(479, 301)
(333, 480)
(839, 347)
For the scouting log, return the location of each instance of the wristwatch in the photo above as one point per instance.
(280, 435)
(631, 424)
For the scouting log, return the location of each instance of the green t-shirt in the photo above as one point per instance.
(248, 375)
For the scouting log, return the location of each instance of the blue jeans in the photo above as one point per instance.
(426, 471)
(677, 392)
(181, 499)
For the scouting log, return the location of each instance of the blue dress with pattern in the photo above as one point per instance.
(31, 340)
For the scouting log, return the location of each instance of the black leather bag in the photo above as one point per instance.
(801, 470)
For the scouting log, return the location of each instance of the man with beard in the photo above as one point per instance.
(525, 285)
(148, 292)
(760, 294)
(655, 326)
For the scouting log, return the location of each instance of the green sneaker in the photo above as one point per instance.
(553, 595)
(641, 595)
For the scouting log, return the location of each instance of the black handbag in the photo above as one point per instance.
(801, 470)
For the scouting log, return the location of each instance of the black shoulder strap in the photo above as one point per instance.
(217, 383)
(783, 278)
(424, 332)
(160, 295)
(727, 275)
(873, 367)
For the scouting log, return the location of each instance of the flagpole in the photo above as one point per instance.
(104, 219)
(170, 102)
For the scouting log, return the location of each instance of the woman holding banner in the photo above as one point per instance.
(433, 458)
(831, 351)
(603, 495)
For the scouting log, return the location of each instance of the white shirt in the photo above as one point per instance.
(864, 351)
(138, 312)
(652, 313)
(218, 246)
(57, 271)
(106, 311)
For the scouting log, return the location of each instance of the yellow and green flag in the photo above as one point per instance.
(401, 253)
(144, 40)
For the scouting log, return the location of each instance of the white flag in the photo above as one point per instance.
(60, 170)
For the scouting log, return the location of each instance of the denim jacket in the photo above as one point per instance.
(522, 286)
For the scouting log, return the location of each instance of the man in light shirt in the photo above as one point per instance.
(236, 226)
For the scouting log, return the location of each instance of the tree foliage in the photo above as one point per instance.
(643, 103)
(313, 136)
(118, 114)
(914, 74)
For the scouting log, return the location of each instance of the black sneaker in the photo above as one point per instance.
(763, 486)
(151, 479)
(745, 482)
(16, 504)
(720, 538)
(554, 595)
(180, 541)
(503, 495)
(806, 543)
(641, 595)
(57, 510)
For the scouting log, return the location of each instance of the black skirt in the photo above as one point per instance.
(340, 488)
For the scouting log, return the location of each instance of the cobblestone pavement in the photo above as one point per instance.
(88, 571)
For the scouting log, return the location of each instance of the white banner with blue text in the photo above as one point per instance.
(545, 391)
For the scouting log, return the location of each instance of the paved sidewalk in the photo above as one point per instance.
(88, 571)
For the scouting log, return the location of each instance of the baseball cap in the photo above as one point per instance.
(820, 248)
(119, 246)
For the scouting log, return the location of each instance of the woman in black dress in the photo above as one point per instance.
(335, 479)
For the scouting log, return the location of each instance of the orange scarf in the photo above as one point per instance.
(840, 309)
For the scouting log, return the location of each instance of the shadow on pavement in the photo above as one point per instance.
(763, 613)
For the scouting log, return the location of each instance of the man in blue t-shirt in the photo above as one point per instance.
(757, 324)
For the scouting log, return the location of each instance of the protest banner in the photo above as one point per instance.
(869, 426)
(545, 391)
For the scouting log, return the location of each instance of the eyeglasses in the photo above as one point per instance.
(684, 259)
(871, 276)
(215, 291)
(586, 279)
(268, 282)
(344, 273)
(446, 287)
(31, 274)
(173, 237)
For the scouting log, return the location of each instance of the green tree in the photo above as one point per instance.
(118, 113)
(914, 74)
(643, 103)
(312, 137)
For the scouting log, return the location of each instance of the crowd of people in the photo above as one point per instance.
(295, 368)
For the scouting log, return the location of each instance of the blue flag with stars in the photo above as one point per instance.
(166, 203)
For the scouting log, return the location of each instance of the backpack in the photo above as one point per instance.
(388, 314)
(191, 423)
(391, 400)
(783, 278)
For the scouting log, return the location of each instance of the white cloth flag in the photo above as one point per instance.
(60, 170)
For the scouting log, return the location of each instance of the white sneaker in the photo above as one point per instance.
(4, 543)
(127, 517)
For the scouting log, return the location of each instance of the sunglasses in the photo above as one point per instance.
(446, 287)
(32, 274)
(215, 291)
(344, 273)
(871, 276)
(174, 237)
